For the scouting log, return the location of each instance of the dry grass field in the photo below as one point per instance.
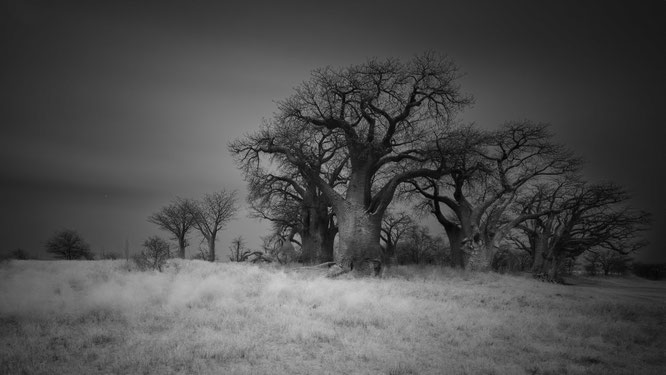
(98, 317)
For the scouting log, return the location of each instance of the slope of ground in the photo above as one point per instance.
(99, 317)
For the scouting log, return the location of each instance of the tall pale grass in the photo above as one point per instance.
(197, 317)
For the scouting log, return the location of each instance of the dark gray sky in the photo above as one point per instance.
(112, 109)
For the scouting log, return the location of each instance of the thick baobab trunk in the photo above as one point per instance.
(359, 228)
(480, 255)
(554, 262)
(326, 249)
(540, 256)
(481, 249)
(211, 249)
(316, 246)
(549, 268)
(388, 255)
(358, 248)
(181, 248)
(455, 236)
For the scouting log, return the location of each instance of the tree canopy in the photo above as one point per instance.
(384, 119)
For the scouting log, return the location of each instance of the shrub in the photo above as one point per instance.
(154, 255)
(68, 244)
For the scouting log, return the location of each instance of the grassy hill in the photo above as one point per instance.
(98, 317)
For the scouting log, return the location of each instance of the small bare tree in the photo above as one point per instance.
(212, 213)
(154, 255)
(394, 226)
(178, 219)
(239, 253)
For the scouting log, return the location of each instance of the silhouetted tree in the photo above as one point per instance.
(582, 217)
(239, 253)
(178, 219)
(68, 244)
(388, 117)
(296, 206)
(212, 213)
(488, 173)
(394, 226)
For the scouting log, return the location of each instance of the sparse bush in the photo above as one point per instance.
(154, 255)
(68, 244)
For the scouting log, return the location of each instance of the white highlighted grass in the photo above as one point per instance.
(96, 317)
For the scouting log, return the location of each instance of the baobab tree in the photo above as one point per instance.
(290, 200)
(582, 217)
(212, 213)
(388, 117)
(487, 175)
(178, 219)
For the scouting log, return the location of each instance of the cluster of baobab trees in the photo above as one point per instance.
(350, 141)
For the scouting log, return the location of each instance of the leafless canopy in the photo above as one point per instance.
(68, 244)
(178, 219)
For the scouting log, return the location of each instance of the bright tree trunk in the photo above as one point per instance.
(480, 256)
(359, 230)
(359, 238)
(481, 249)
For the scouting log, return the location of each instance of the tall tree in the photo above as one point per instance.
(68, 244)
(178, 219)
(292, 202)
(484, 182)
(212, 213)
(388, 116)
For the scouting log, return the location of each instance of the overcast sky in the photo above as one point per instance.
(112, 109)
